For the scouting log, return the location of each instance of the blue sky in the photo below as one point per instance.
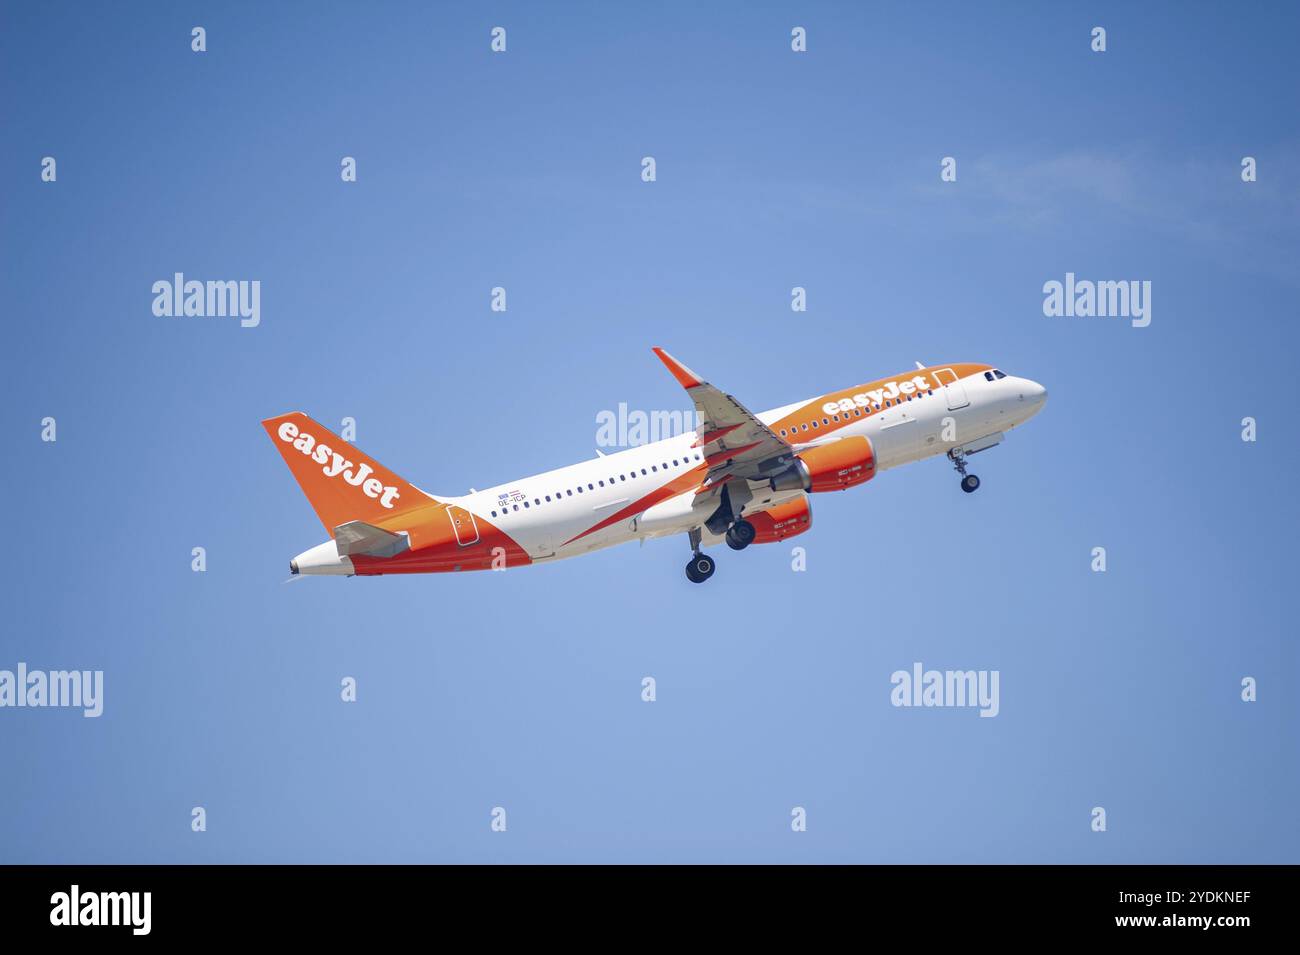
(775, 170)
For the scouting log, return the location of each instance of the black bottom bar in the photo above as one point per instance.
(219, 903)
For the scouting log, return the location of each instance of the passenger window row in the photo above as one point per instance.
(857, 413)
(622, 478)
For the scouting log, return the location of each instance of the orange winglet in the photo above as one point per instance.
(685, 377)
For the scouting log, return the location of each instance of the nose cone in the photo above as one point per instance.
(1027, 398)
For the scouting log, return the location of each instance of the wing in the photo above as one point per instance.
(735, 443)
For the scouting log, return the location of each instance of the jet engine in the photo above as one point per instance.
(784, 520)
(829, 467)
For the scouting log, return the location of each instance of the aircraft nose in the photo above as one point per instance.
(1032, 396)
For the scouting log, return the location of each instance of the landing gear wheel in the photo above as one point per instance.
(969, 482)
(699, 569)
(741, 535)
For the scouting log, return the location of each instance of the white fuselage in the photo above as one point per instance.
(548, 513)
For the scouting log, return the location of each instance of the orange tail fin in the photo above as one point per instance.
(341, 483)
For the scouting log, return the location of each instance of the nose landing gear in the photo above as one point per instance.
(969, 482)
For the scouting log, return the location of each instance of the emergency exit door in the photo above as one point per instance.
(953, 389)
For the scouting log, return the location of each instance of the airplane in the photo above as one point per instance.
(739, 477)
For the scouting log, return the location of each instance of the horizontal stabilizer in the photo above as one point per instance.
(358, 537)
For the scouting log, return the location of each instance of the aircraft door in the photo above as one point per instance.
(463, 524)
(953, 389)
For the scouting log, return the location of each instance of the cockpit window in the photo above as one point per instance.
(988, 376)
(998, 373)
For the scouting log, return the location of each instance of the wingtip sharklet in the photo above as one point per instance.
(685, 377)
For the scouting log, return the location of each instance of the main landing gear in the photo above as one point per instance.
(740, 535)
(969, 482)
(700, 567)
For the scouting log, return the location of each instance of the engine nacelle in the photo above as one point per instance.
(784, 520)
(829, 467)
